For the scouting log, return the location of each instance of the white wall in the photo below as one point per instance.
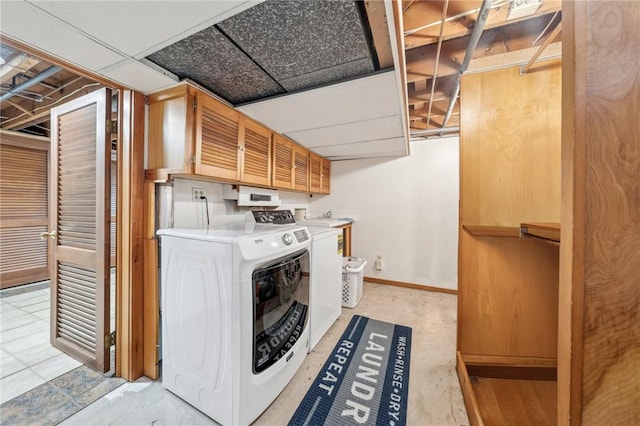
(407, 210)
(192, 215)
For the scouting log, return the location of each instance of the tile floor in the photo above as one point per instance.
(27, 358)
(434, 392)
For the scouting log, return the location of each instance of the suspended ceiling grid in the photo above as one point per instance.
(354, 135)
(274, 48)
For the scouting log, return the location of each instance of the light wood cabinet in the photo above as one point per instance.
(256, 153)
(283, 163)
(315, 173)
(319, 174)
(325, 177)
(171, 147)
(192, 133)
(218, 151)
(301, 168)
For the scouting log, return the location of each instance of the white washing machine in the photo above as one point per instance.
(235, 323)
(325, 294)
(325, 278)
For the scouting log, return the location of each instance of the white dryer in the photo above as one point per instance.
(235, 321)
(325, 294)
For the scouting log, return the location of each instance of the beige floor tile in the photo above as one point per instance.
(18, 383)
(56, 366)
(10, 365)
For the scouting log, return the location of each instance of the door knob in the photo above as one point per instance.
(45, 235)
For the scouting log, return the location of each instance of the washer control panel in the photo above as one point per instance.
(277, 217)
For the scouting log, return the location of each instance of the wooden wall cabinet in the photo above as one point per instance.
(325, 177)
(171, 148)
(301, 168)
(192, 133)
(283, 163)
(229, 145)
(315, 173)
(319, 174)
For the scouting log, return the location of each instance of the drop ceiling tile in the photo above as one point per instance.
(141, 27)
(135, 75)
(359, 149)
(294, 38)
(35, 27)
(361, 99)
(360, 131)
(398, 153)
(335, 73)
(211, 60)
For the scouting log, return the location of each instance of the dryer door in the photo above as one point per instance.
(280, 310)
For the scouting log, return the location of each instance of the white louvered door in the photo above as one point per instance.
(80, 216)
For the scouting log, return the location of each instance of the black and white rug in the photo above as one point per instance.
(365, 380)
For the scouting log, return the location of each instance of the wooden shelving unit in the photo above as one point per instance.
(508, 282)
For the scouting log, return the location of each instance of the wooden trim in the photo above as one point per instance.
(9, 279)
(15, 223)
(511, 361)
(507, 367)
(492, 230)
(571, 288)
(129, 294)
(410, 285)
(470, 402)
(151, 308)
(77, 256)
(10, 137)
(346, 240)
(54, 60)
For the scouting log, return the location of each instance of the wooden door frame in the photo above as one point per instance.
(129, 314)
(129, 213)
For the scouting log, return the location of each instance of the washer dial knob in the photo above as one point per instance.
(287, 239)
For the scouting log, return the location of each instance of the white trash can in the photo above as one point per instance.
(352, 278)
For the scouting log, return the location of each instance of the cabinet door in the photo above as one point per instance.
(283, 163)
(256, 153)
(325, 177)
(301, 168)
(217, 139)
(315, 172)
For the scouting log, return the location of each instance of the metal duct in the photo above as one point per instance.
(431, 132)
(31, 82)
(473, 43)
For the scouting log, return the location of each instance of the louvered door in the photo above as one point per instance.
(301, 167)
(217, 139)
(23, 209)
(80, 216)
(315, 172)
(282, 162)
(256, 153)
(325, 177)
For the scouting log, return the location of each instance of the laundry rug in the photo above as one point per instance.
(365, 380)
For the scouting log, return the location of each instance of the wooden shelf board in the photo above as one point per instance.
(507, 401)
(548, 231)
(492, 230)
(522, 402)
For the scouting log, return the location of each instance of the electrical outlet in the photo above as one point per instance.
(197, 194)
(378, 264)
